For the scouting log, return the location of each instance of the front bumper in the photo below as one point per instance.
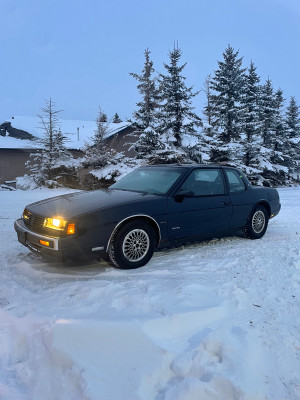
(59, 249)
(276, 211)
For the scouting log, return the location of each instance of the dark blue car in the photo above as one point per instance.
(149, 208)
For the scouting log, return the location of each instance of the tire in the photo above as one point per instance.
(132, 245)
(257, 223)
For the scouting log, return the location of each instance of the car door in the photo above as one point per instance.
(242, 203)
(200, 206)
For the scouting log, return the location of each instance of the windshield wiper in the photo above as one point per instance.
(130, 190)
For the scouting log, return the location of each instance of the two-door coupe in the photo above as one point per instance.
(149, 208)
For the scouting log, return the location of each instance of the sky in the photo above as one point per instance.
(80, 52)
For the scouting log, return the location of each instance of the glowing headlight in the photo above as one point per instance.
(57, 223)
(26, 214)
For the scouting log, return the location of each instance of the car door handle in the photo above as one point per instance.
(226, 203)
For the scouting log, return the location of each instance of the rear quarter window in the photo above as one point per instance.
(235, 181)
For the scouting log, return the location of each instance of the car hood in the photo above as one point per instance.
(74, 204)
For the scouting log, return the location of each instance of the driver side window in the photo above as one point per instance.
(204, 182)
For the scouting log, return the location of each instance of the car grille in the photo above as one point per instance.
(36, 224)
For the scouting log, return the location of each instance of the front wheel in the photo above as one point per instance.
(257, 223)
(132, 246)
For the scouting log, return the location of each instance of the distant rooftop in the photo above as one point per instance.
(78, 132)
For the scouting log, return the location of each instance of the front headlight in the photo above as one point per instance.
(57, 223)
(26, 215)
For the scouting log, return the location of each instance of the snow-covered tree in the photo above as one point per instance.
(102, 117)
(280, 157)
(177, 112)
(147, 108)
(208, 108)
(292, 121)
(99, 158)
(267, 113)
(279, 141)
(146, 115)
(250, 119)
(116, 119)
(97, 154)
(52, 165)
(228, 85)
(273, 159)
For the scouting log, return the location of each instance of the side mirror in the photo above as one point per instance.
(181, 194)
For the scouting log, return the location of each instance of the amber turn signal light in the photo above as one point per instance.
(44, 243)
(71, 229)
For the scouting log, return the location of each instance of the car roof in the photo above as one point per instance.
(191, 166)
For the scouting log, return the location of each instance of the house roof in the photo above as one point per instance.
(77, 132)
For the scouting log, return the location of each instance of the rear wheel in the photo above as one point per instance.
(257, 223)
(132, 245)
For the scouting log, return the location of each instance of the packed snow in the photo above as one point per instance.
(213, 320)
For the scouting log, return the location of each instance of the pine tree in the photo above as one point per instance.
(280, 158)
(146, 115)
(250, 120)
(267, 113)
(116, 119)
(228, 84)
(273, 160)
(50, 124)
(53, 164)
(177, 115)
(102, 117)
(101, 161)
(292, 121)
(97, 155)
(208, 108)
(280, 129)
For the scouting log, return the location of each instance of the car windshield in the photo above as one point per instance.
(152, 181)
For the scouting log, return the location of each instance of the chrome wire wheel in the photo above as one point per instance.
(136, 245)
(258, 221)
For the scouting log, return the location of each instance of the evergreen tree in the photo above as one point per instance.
(280, 129)
(146, 113)
(146, 116)
(228, 86)
(117, 119)
(177, 115)
(98, 155)
(208, 108)
(292, 121)
(250, 118)
(101, 161)
(102, 117)
(53, 164)
(273, 160)
(267, 114)
(280, 158)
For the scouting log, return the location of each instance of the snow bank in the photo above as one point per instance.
(30, 367)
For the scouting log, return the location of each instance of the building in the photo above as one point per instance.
(21, 136)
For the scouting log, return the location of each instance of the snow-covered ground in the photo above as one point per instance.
(215, 320)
